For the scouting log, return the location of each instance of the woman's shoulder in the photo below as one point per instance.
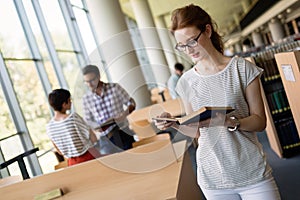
(188, 73)
(247, 64)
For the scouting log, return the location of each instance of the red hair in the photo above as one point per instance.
(192, 15)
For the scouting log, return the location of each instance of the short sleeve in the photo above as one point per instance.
(252, 71)
(82, 126)
(123, 95)
(183, 87)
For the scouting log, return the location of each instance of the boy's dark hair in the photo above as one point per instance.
(179, 66)
(57, 97)
(91, 69)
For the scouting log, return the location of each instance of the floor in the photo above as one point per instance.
(286, 171)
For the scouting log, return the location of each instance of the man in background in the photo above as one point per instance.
(106, 101)
(172, 82)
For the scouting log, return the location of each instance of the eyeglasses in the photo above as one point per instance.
(90, 81)
(191, 44)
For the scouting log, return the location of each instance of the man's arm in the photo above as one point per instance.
(93, 136)
(88, 116)
(131, 106)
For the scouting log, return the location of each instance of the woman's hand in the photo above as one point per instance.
(163, 124)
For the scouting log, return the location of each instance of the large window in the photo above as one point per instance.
(32, 101)
(18, 60)
(90, 42)
(6, 123)
(39, 55)
(12, 40)
(9, 140)
(41, 44)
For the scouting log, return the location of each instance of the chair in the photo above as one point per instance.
(139, 114)
(159, 95)
(142, 128)
(61, 165)
(159, 137)
(21, 163)
(62, 161)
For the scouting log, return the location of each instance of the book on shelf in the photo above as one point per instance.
(199, 115)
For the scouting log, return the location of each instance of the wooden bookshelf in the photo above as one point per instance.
(281, 108)
(289, 67)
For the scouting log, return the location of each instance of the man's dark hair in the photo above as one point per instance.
(57, 97)
(179, 66)
(91, 69)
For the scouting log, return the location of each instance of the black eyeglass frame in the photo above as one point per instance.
(184, 46)
(90, 81)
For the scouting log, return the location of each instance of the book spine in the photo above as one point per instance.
(277, 102)
(271, 103)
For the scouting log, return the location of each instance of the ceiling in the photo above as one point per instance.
(226, 13)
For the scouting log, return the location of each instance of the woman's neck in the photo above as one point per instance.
(212, 64)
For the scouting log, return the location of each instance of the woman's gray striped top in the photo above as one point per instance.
(225, 159)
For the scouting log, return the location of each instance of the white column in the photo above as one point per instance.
(151, 41)
(118, 51)
(245, 5)
(165, 38)
(236, 18)
(277, 30)
(237, 47)
(257, 39)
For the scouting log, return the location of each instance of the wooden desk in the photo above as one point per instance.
(173, 106)
(140, 120)
(160, 177)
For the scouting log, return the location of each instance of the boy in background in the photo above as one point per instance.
(69, 133)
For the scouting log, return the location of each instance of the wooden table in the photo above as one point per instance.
(159, 170)
(173, 106)
(140, 121)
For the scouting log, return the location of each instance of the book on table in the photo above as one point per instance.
(199, 115)
(105, 124)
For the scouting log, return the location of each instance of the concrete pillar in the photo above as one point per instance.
(245, 5)
(236, 18)
(151, 41)
(276, 29)
(165, 39)
(237, 47)
(257, 39)
(118, 51)
(295, 26)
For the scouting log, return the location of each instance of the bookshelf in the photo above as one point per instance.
(282, 128)
(289, 68)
